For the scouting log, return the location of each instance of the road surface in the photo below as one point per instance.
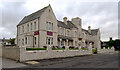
(106, 60)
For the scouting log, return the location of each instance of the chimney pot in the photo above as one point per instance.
(65, 20)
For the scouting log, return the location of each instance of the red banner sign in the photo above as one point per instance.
(49, 33)
(36, 33)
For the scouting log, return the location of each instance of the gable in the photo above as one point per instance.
(32, 16)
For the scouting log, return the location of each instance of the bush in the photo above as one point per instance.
(44, 46)
(94, 51)
(71, 47)
(58, 48)
(74, 48)
(35, 48)
(84, 48)
(63, 47)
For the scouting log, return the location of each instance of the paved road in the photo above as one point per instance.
(106, 60)
(8, 63)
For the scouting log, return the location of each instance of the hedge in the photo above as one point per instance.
(35, 48)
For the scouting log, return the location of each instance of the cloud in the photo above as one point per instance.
(101, 15)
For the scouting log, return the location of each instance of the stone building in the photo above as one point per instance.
(42, 29)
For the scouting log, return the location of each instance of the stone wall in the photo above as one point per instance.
(11, 52)
(0, 51)
(106, 50)
(49, 53)
(21, 54)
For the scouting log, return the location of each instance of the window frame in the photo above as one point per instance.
(31, 26)
(27, 27)
(35, 26)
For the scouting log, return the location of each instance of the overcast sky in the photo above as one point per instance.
(102, 15)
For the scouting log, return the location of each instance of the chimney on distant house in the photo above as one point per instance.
(89, 29)
(65, 20)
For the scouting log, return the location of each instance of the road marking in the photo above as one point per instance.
(32, 62)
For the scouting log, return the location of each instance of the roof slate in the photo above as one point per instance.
(62, 24)
(68, 26)
(64, 37)
(32, 16)
(86, 31)
(94, 31)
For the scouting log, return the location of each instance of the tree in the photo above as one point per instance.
(12, 41)
(115, 43)
(111, 43)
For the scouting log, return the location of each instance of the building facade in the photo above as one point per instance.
(42, 29)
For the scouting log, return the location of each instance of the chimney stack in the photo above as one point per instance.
(89, 29)
(65, 20)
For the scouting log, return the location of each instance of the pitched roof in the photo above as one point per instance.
(68, 26)
(64, 37)
(86, 31)
(62, 24)
(32, 16)
(94, 31)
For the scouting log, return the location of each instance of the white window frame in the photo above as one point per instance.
(49, 40)
(31, 26)
(76, 43)
(68, 33)
(49, 26)
(27, 27)
(34, 25)
(26, 40)
(75, 33)
(35, 40)
(23, 29)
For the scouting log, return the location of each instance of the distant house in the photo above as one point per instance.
(4, 42)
